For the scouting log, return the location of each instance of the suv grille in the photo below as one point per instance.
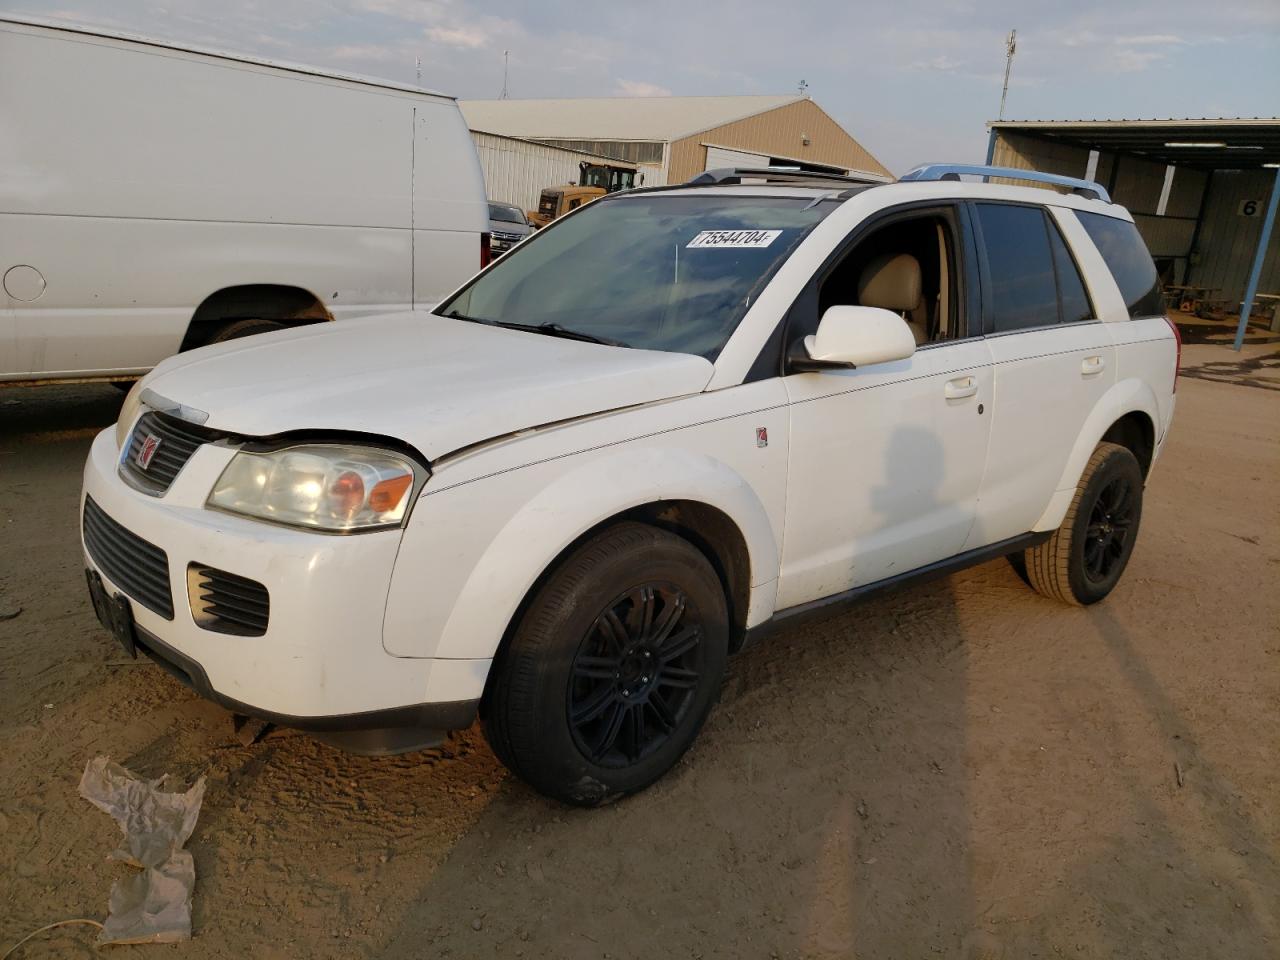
(501, 242)
(225, 603)
(139, 568)
(175, 442)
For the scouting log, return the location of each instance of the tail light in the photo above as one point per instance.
(1177, 358)
(486, 252)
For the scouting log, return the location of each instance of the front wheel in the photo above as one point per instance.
(1083, 560)
(613, 669)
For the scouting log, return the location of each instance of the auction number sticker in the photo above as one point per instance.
(734, 238)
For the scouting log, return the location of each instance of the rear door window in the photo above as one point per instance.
(1022, 291)
(1071, 292)
(1127, 258)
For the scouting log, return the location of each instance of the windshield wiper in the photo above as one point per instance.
(555, 330)
(455, 315)
(549, 329)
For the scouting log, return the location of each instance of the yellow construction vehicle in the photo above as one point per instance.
(594, 180)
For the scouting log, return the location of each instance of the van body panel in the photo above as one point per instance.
(141, 179)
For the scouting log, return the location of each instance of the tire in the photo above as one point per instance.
(244, 328)
(630, 635)
(1086, 556)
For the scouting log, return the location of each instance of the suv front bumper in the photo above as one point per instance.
(320, 665)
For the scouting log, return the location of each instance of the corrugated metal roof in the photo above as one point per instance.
(614, 118)
(1150, 121)
(1224, 143)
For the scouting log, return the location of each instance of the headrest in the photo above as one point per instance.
(891, 281)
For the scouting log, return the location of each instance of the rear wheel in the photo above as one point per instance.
(613, 669)
(1084, 559)
(244, 328)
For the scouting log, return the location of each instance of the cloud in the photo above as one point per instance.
(1138, 52)
(943, 63)
(468, 38)
(361, 52)
(266, 40)
(639, 88)
(419, 11)
(1135, 61)
(1151, 40)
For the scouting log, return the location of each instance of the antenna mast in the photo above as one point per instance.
(1011, 47)
(504, 95)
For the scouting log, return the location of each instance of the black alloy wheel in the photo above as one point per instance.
(1110, 523)
(634, 675)
(612, 668)
(1085, 557)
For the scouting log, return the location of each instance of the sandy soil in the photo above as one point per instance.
(958, 770)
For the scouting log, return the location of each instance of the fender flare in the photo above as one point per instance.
(574, 503)
(1125, 397)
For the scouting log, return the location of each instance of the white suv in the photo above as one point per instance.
(668, 423)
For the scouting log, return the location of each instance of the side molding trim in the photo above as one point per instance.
(837, 603)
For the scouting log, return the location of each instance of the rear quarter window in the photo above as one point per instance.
(1023, 291)
(1127, 258)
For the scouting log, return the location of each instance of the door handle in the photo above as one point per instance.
(1090, 366)
(960, 388)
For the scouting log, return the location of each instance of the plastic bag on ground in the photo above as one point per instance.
(153, 906)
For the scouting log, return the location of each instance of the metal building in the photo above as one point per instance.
(670, 139)
(1203, 193)
(516, 170)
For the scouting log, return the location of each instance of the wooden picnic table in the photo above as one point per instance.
(1272, 300)
(1192, 291)
(1196, 297)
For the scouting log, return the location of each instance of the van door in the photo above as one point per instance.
(1053, 360)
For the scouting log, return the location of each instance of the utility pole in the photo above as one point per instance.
(1011, 47)
(417, 63)
(804, 87)
(504, 95)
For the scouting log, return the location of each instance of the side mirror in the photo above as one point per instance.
(853, 337)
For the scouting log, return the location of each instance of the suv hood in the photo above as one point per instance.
(434, 383)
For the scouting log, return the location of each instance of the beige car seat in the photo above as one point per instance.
(892, 282)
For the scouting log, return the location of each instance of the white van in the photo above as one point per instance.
(156, 198)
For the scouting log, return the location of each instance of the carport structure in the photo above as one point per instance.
(1203, 192)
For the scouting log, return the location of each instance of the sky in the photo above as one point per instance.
(913, 82)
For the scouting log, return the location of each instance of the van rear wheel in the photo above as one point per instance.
(244, 328)
(1084, 559)
(613, 669)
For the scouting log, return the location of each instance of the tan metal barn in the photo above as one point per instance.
(516, 170)
(671, 139)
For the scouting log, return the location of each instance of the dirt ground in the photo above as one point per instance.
(961, 769)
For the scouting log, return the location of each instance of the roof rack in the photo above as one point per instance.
(727, 175)
(953, 171)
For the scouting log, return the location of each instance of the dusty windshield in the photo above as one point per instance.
(671, 272)
(500, 211)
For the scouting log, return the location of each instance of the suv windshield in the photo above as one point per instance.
(672, 272)
(500, 211)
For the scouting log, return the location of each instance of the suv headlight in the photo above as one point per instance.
(318, 486)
